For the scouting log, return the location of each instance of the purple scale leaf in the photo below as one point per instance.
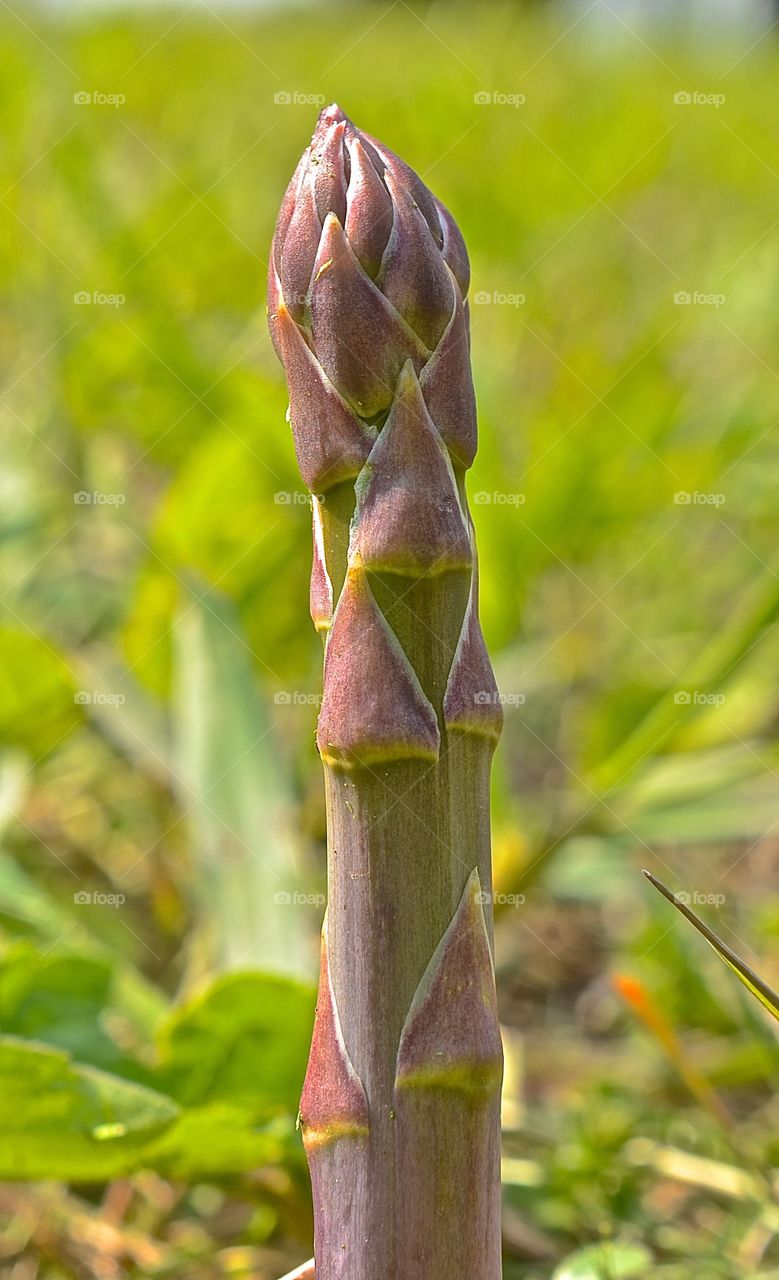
(328, 172)
(360, 340)
(409, 519)
(333, 1103)
(373, 709)
(410, 181)
(331, 444)
(369, 209)
(273, 303)
(454, 250)
(448, 388)
(471, 702)
(447, 1109)
(299, 251)
(288, 207)
(451, 1038)
(321, 590)
(413, 273)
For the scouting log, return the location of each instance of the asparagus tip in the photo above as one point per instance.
(332, 115)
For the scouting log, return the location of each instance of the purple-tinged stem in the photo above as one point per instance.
(400, 1110)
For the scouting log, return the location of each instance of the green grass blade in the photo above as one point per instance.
(760, 990)
(238, 793)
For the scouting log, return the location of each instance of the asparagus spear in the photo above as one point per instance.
(400, 1108)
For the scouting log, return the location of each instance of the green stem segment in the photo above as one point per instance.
(400, 1109)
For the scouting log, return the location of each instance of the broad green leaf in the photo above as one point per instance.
(62, 998)
(36, 692)
(759, 989)
(222, 1139)
(608, 1261)
(244, 1040)
(60, 1119)
(28, 907)
(232, 781)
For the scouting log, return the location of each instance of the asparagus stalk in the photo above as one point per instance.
(400, 1108)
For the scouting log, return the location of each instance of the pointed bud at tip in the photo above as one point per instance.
(331, 115)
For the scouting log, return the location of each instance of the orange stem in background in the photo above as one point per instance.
(646, 1009)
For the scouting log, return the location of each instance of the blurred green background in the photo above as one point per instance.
(162, 857)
